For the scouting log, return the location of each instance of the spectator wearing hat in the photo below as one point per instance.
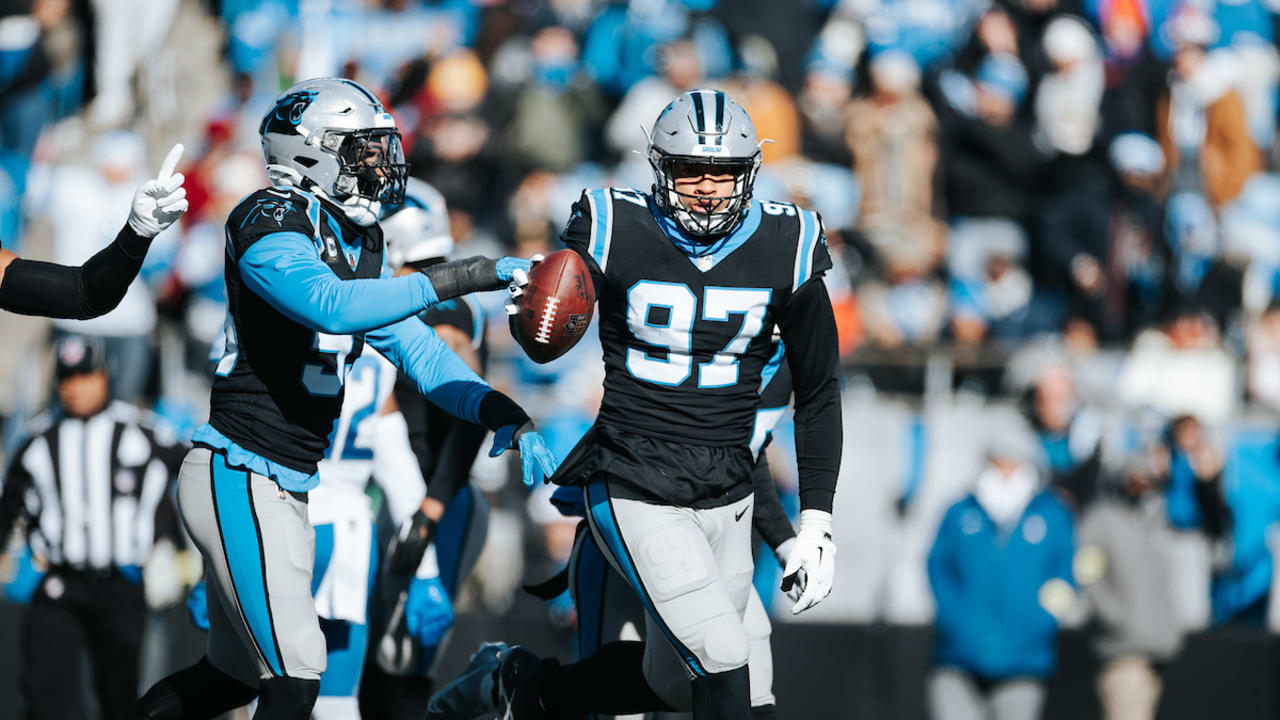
(92, 484)
(1001, 575)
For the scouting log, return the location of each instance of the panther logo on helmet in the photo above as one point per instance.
(287, 113)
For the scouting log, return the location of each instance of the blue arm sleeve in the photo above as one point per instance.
(441, 376)
(284, 269)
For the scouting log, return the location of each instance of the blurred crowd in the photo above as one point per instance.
(1052, 221)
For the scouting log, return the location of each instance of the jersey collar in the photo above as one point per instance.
(703, 256)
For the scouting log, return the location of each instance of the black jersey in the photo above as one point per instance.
(277, 390)
(686, 330)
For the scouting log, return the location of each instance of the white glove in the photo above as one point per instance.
(519, 278)
(811, 562)
(160, 202)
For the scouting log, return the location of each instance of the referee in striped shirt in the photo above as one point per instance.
(92, 482)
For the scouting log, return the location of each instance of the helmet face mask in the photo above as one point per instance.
(371, 164)
(692, 210)
(703, 135)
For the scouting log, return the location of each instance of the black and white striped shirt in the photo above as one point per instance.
(94, 490)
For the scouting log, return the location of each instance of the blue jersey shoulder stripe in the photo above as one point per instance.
(601, 225)
(809, 232)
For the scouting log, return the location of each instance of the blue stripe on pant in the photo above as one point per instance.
(602, 516)
(242, 547)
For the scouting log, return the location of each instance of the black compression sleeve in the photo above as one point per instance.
(809, 334)
(498, 411)
(463, 277)
(32, 287)
(768, 517)
(453, 468)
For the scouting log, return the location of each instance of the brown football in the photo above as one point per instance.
(555, 309)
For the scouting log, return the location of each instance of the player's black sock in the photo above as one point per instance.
(764, 712)
(722, 696)
(610, 682)
(199, 692)
(287, 698)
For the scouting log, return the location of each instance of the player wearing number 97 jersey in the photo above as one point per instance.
(305, 292)
(691, 280)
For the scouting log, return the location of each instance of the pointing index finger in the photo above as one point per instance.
(170, 163)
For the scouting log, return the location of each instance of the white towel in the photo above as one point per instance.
(343, 592)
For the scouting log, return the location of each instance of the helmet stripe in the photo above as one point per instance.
(362, 90)
(700, 117)
(720, 112)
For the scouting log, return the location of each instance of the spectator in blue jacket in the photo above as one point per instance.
(1000, 570)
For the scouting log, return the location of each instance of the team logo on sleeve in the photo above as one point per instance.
(271, 209)
(287, 113)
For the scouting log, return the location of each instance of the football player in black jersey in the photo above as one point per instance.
(31, 287)
(691, 280)
(605, 603)
(306, 287)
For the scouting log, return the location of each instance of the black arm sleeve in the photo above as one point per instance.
(498, 411)
(31, 287)
(768, 517)
(463, 277)
(809, 334)
(453, 469)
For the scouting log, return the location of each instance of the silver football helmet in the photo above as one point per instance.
(417, 230)
(704, 132)
(333, 137)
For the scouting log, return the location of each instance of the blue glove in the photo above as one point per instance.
(198, 606)
(536, 459)
(428, 611)
(508, 265)
(26, 578)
